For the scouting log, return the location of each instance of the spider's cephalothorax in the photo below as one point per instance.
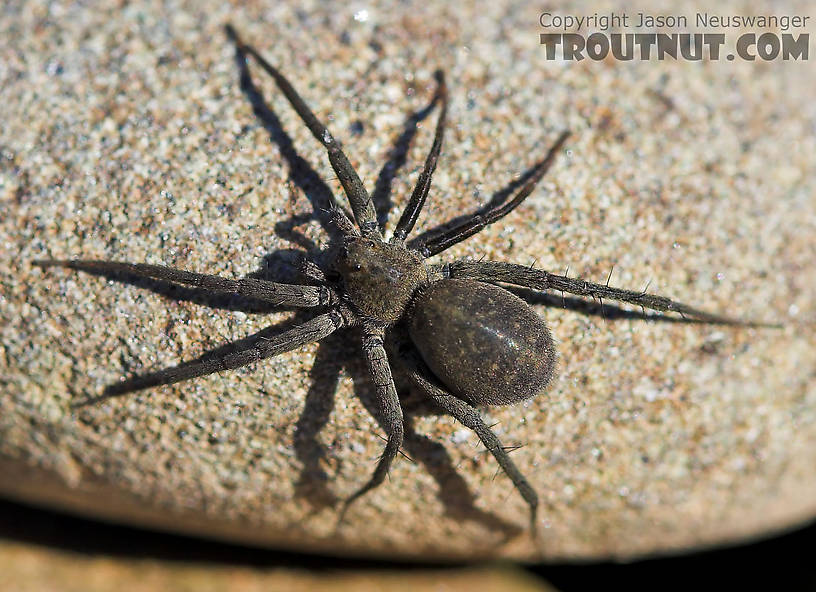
(380, 278)
(474, 343)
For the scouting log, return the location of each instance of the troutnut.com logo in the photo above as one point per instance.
(663, 36)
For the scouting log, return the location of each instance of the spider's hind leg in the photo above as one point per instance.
(470, 418)
(390, 411)
(538, 279)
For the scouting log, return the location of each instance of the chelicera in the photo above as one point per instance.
(470, 342)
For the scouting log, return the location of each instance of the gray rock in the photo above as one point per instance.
(126, 136)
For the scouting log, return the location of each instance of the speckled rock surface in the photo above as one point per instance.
(126, 135)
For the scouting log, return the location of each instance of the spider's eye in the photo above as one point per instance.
(358, 267)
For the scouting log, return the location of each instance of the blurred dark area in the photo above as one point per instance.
(784, 562)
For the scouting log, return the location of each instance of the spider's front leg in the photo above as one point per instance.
(389, 408)
(361, 205)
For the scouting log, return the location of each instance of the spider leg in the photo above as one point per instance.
(390, 410)
(538, 279)
(467, 228)
(470, 418)
(361, 205)
(278, 294)
(257, 349)
(312, 271)
(411, 213)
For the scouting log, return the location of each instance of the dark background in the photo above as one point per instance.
(785, 562)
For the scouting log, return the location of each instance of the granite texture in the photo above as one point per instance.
(126, 135)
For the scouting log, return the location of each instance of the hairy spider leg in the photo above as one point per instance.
(411, 212)
(470, 418)
(467, 228)
(390, 410)
(538, 279)
(361, 204)
(272, 292)
(255, 349)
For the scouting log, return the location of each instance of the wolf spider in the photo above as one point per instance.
(472, 342)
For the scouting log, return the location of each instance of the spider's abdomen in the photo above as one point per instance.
(484, 343)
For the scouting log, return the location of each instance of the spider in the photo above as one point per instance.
(468, 342)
